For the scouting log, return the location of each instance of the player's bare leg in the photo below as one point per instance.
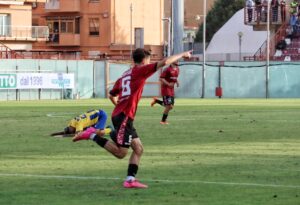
(165, 114)
(134, 161)
(119, 152)
(155, 100)
(96, 136)
(137, 153)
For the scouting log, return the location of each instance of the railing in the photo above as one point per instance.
(21, 2)
(261, 53)
(258, 15)
(24, 32)
(64, 39)
(7, 53)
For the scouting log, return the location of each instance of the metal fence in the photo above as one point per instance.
(24, 32)
(96, 78)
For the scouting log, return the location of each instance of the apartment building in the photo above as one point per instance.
(192, 8)
(96, 27)
(16, 30)
(193, 17)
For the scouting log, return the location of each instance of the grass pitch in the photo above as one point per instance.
(214, 152)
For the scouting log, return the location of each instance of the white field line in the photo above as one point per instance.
(150, 180)
(61, 114)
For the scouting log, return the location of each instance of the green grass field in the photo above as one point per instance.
(214, 152)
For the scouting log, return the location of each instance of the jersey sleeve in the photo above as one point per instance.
(147, 70)
(116, 89)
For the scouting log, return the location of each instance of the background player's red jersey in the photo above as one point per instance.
(170, 75)
(130, 87)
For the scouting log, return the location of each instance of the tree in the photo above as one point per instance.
(221, 12)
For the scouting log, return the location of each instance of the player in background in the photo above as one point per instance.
(125, 95)
(168, 79)
(93, 119)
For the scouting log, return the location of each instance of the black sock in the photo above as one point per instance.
(132, 170)
(100, 141)
(159, 102)
(164, 117)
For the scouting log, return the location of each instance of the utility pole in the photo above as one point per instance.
(131, 11)
(178, 25)
(204, 49)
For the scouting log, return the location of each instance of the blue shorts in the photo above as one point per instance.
(102, 117)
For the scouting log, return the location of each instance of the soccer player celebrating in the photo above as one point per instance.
(168, 79)
(125, 95)
(93, 119)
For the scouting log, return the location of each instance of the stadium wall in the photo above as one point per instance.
(95, 79)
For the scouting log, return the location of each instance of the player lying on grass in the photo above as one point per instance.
(125, 95)
(94, 119)
(168, 79)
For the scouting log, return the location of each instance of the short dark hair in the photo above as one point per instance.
(139, 54)
(67, 131)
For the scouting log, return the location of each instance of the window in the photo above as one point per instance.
(94, 26)
(77, 25)
(63, 27)
(66, 26)
(5, 27)
(53, 26)
(52, 4)
(139, 37)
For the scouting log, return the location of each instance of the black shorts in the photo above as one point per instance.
(124, 130)
(168, 100)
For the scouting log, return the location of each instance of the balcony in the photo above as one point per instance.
(21, 2)
(64, 39)
(63, 6)
(256, 16)
(24, 33)
(35, 1)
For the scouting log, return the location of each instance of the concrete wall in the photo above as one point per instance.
(145, 14)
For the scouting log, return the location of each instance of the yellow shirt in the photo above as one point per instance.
(92, 118)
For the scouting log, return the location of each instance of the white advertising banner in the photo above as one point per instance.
(37, 81)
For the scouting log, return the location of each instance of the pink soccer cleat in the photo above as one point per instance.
(164, 123)
(85, 135)
(134, 184)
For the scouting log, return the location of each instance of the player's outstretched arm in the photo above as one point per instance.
(174, 58)
(57, 133)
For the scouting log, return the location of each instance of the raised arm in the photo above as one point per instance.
(172, 59)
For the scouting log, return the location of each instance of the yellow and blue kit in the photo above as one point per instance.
(92, 118)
